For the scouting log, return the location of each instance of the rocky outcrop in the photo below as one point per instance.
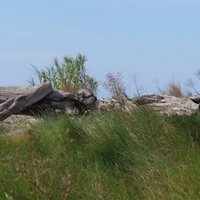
(22, 101)
(174, 105)
(42, 100)
(163, 103)
(20, 105)
(20, 125)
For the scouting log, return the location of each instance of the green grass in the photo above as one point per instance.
(116, 155)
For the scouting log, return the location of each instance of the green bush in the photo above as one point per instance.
(69, 75)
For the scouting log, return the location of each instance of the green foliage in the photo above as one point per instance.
(69, 75)
(118, 155)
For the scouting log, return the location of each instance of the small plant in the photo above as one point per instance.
(115, 85)
(139, 88)
(175, 90)
(69, 75)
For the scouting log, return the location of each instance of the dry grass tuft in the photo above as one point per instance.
(175, 90)
(115, 85)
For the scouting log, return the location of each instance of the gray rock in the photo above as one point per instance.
(86, 100)
(59, 95)
(86, 96)
(169, 104)
(162, 103)
(115, 103)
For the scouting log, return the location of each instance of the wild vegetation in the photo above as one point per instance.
(69, 75)
(117, 155)
(140, 154)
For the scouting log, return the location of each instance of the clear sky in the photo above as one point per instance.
(153, 39)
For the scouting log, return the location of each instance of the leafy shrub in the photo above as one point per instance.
(69, 75)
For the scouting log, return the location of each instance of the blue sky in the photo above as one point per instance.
(152, 39)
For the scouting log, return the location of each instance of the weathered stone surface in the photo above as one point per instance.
(8, 92)
(86, 95)
(168, 104)
(115, 103)
(42, 100)
(86, 100)
(163, 103)
(59, 95)
(148, 99)
(17, 104)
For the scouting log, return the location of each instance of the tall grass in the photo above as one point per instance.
(117, 155)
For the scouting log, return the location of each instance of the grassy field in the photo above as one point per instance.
(114, 156)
